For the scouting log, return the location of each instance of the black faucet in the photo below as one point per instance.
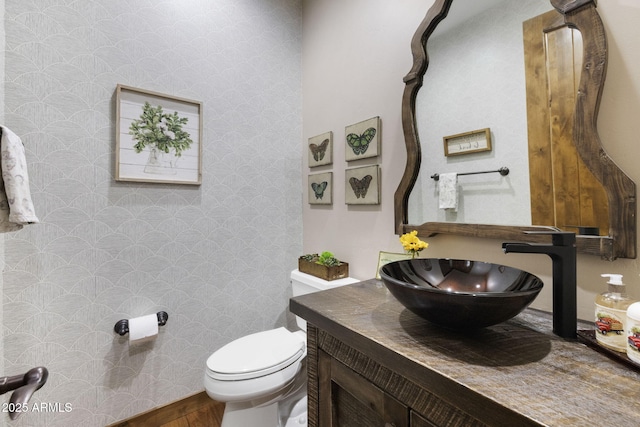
(24, 385)
(562, 251)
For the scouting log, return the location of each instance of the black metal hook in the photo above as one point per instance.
(122, 326)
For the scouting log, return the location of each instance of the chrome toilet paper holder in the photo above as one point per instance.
(122, 326)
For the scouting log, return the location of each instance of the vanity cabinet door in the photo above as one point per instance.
(349, 400)
(419, 421)
(448, 419)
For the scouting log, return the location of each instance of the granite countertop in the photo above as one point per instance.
(518, 364)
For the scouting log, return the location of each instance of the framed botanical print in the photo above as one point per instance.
(158, 137)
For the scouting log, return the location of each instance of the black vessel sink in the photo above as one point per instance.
(460, 294)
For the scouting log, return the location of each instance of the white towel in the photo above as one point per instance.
(448, 191)
(16, 207)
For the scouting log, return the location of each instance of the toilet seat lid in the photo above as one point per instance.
(256, 355)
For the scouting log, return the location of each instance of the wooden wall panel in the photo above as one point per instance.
(564, 193)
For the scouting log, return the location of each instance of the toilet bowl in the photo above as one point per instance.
(261, 377)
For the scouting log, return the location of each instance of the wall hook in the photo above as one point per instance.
(122, 326)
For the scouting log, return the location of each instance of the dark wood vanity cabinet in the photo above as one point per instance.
(350, 390)
(348, 399)
(371, 362)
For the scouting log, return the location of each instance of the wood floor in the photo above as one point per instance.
(194, 411)
(207, 416)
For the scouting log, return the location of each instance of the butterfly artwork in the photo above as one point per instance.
(320, 188)
(360, 143)
(360, 186)
(362, 139)
(320, 149)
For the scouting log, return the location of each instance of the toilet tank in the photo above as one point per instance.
(303, 283)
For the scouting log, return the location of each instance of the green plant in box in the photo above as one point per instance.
(327, 258)
(326, 266)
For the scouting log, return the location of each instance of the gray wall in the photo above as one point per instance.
(215, 257)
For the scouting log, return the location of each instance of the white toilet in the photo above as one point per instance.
(261, 377)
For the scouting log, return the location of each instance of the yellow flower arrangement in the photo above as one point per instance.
(412, 244)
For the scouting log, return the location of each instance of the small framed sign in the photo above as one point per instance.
(387, 257)
(467, 142)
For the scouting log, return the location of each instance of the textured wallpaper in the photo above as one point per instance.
(216, 257)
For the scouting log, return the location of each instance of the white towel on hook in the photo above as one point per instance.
(16, 207)
(448, 191)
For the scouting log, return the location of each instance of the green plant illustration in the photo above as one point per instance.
(157, 129)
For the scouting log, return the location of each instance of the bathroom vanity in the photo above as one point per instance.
(372, 362)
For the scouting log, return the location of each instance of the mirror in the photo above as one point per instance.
(620, 241)
(476, 80)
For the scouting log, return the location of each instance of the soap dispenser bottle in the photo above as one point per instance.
(611, 314)
(633, 332)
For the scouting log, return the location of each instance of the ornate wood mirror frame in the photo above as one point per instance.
(620, 189)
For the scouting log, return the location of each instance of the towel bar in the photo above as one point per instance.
(504, 171)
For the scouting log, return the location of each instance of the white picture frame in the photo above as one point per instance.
(158, 137)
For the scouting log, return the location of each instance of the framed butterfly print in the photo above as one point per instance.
(321, 188)
(362, 139)
(158, 137)
(362, 186)
(321, 150)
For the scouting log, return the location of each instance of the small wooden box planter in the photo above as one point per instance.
(333, 272)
